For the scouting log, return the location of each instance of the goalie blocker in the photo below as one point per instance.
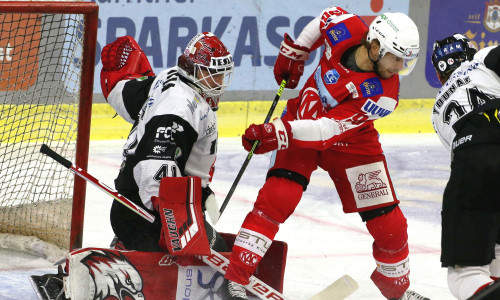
(180, 208)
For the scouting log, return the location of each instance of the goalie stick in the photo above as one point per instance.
(214, 216)
(82, 173)
(338, 290)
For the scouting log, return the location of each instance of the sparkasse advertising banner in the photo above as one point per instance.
(252, 30)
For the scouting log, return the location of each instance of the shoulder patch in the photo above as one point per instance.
(331, 76)
(338, 33)
(371, 87)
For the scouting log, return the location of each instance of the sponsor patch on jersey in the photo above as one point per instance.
(370, 184)
(371, 87)
(373, 108)
(331, 76)
(351, 87)
(338, 33)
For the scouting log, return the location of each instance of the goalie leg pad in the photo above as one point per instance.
(251, 244)
(390, 250)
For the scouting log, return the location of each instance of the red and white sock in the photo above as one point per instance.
(251, 244)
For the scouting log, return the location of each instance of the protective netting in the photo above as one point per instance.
(40, 74)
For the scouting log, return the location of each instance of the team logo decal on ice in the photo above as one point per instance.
(338, 33)
(370, 184)
(113, 275)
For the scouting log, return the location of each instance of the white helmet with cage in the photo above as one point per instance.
(397, 34)
(208, 65)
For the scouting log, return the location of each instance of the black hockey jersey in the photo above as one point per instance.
(472, 88)
(174, 133)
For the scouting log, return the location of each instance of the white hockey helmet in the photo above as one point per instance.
(204, 60)
(397, 34)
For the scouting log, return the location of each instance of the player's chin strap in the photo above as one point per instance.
(374, 62)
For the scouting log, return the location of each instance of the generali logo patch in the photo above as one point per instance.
(19, 51)
(370, 184)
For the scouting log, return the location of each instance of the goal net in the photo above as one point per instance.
(47, 54)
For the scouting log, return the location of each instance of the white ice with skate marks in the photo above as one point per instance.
(323, 242)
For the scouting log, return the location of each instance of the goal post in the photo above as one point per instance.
(47, 58)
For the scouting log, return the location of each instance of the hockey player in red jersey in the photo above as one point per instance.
(465, 118)
(330, 125)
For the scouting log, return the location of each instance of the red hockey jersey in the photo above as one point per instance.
(337, 106)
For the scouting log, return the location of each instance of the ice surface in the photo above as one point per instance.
(323, 242)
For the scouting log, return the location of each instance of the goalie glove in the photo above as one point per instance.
(271, 136)
(123, 59)
(290, 62)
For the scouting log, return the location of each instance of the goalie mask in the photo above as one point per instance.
(208, 65)
(449, 53)
(397, 34)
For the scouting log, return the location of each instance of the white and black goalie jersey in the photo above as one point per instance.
(174, 133)
(473, 88)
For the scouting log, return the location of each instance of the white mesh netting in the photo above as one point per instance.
(40, 75)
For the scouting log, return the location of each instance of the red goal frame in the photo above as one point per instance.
(90, 11)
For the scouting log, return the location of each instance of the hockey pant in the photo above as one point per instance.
(277, 201)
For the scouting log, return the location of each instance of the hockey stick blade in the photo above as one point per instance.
(340, 289)
(249, 156)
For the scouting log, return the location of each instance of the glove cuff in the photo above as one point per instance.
(292, 50)
(283, 133)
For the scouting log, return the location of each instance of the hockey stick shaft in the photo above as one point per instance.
(250, 154)
(338, 290)
(256, 286)
(82, 173)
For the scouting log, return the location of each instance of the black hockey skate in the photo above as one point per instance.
(230, 290)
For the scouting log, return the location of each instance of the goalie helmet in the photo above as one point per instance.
(208, 65)
(397, 34)
(449, 53)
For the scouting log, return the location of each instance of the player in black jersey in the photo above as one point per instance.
(465, 117)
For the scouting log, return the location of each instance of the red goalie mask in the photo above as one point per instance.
(208, 64)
